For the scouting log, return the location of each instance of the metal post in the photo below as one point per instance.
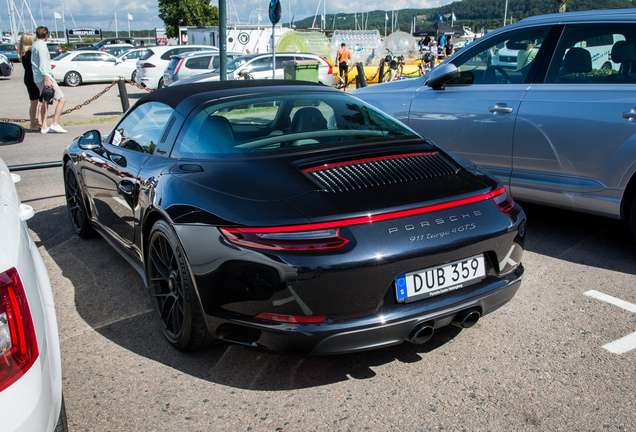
(273, 53)
(223, 40)
(123, 94)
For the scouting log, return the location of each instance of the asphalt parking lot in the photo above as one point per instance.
(546, 361)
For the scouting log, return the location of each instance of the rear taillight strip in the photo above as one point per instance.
(375, 218)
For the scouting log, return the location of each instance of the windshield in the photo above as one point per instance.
(284, 123)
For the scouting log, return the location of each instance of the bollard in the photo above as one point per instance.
(123, 94)
(362, 79)
(381, 72)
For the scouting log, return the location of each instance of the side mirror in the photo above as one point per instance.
(90, 140)
(11, 133)
(441, 75)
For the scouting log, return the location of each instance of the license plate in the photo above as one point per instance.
(441, 279)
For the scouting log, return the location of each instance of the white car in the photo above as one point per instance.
(151, 65)
(30, 364)
(129, 60)
(77, 67)
(259, 66)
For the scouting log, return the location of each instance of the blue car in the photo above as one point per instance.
(10, 51)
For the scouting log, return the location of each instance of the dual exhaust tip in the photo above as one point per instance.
(422, 332)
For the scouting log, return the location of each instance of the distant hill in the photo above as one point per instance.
(473, 13)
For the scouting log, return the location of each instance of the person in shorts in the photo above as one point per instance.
(42, 76)
(342, 58)
(24, 51)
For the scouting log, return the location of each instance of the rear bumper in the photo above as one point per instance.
(337, 337)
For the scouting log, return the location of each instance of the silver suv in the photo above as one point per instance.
(189, 64)
(259, 66)
(557, 124)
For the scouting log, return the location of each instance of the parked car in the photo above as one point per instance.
(108, 41)
(559, 132)
(55, 49)
(77, 67)
(116, 50)
(189, 64)
(292, 216)
(129, 60)
(30, 364)
(10, 51)
(259, 66)
(80, 45)
(6, 67)
(151, 65)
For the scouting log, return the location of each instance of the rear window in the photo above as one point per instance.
(149, 53)
(284, 123)
(7, 48)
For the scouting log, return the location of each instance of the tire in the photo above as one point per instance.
(632, 217)
(133, 76)
(75, 203)
(607, 66)
(73, 79)
(160, 85)
(172, 291)
(387, 76)
(62, 423)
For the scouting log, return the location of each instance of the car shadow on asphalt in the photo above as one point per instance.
(580, 238)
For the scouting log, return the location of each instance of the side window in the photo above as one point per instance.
(260, 65)
(105, 58)
(504, 59)
(84, 57)
(216, 62)
(142, 128)
(595, 54)
(169, 53)
(198, 62)
(280, 59)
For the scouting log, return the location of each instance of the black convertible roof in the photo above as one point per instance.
(176, 94)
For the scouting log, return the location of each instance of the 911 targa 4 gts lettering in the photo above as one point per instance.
(294, 217)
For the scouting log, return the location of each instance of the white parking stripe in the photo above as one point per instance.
(623, 344)
(612, 300)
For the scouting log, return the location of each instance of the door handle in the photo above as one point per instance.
(500, 108)
(126, 188)
(630, 115)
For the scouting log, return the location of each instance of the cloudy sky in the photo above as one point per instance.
(100, 14)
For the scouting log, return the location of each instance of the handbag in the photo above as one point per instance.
(47, 94)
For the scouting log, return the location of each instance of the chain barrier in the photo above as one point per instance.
(94, 98)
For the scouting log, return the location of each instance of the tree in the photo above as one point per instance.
(175, 13)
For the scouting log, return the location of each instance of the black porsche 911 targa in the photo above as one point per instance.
(294, 217)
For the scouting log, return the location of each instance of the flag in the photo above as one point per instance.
(441, 18)
(130, 17)
(386, 16)
(454, 17)
(57, 15)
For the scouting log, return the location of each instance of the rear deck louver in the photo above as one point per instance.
(386, 170)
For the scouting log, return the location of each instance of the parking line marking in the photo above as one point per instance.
(626, 343)
(612, 300)
(622, 345)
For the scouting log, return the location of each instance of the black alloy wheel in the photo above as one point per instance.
(75, 203)
(172, 291)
